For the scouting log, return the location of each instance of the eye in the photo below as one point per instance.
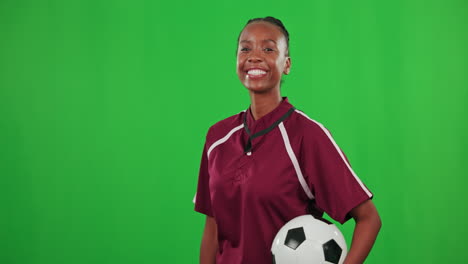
(268, 49)
(244, 49)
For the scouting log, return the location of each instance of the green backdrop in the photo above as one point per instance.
(104, 106)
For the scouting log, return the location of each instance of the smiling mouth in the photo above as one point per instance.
(256, 73)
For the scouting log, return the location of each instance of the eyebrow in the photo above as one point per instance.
(265, 40)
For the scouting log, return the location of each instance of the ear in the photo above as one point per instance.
(287, 66)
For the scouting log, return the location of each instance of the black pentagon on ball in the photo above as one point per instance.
(332, 251)
(273, 257)
(295, 237)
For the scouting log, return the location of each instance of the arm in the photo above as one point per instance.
(367, 227)
(209, 244)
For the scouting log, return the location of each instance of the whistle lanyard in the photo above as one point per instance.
(248, 146)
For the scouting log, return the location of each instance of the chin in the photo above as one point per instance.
(258, 89)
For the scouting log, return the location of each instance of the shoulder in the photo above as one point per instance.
(308, 127)
(224, 127)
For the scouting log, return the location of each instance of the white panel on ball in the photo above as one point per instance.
(305, 240)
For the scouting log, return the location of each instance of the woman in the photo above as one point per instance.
(271, 163)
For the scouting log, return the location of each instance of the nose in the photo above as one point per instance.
(254, 57)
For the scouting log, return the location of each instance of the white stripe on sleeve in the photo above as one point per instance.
(224, 139)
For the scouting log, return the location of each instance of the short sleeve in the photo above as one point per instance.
(337, 189)
(202, 197)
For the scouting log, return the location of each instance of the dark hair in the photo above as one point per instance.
(273, 21)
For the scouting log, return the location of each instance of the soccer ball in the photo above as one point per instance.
(306, 239)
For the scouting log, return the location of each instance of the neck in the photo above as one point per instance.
(263, 103)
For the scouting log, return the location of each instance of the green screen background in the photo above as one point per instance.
(104, 106)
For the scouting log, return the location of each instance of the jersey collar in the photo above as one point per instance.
(266, 123)
(268, 119)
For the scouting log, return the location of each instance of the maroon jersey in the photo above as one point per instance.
(256, 175)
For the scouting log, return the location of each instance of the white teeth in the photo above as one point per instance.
(256, 72)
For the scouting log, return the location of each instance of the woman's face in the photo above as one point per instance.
(261, 57)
